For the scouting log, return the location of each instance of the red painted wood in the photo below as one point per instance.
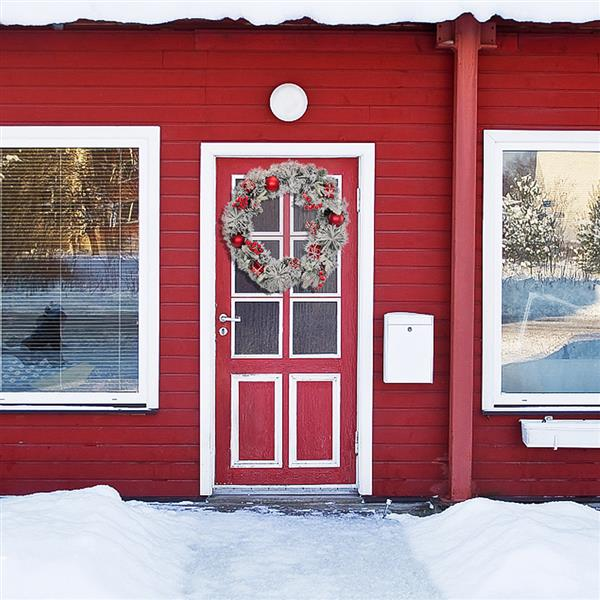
(538, 77)
(314, 420)
(104, 86)
(346, 365)
(257, 416)
(467, 34)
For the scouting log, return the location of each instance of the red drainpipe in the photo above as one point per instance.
(465, 36)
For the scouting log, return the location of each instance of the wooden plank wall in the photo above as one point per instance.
(534, 81)
(391, 88)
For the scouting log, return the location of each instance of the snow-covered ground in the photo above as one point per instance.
(90, 544)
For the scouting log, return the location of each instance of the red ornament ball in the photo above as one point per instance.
(272, 183)
(237, 241)
(336, 220)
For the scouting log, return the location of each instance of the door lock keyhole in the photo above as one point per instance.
(223, 331)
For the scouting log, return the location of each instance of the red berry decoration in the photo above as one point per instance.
(335, 219)
(237, 241)
(241, 202)
(272, 183)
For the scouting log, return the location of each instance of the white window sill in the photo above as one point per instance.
(563, 433)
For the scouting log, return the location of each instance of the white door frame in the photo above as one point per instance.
(365, 153)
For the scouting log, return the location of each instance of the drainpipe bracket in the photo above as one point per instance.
(446, 38)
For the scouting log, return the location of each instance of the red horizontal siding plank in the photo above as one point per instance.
(75, 470)
(115, 453)
(337, 42)
(119, 434)
(93, 41)
(135, 488)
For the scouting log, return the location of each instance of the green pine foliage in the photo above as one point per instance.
(588, 253)
(532, 235)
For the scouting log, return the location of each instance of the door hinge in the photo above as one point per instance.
(357, 199)
(356, 442)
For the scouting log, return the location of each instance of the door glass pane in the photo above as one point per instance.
(330, 286)
(301, 217)
(551, 272)
(243, 283)
(314, 327)
(258, 330)
(269, 219)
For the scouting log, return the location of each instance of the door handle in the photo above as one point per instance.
(225, 319)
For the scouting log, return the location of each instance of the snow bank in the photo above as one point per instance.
(487, 549)
(89, 544)
(270, 12)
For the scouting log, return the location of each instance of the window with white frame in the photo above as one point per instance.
(79, 210)
(541, 296)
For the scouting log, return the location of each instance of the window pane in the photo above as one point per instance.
(258, 330)
(551, 272)
(243, 283)
(268, 220)
(301, 217)
(330, 286)
(314, 328)
(69, 269)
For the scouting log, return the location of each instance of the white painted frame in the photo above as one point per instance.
(365, 153)
(147, 140)
(334, 461)
(495, 143)
(277, 461)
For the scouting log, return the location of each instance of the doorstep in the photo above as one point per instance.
(305, 504)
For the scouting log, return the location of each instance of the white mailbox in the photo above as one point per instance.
(407, 348)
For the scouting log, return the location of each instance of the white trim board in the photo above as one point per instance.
(285, 490)
(365, 153)
(495, 143)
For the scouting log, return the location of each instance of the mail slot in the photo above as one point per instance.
(407, 348)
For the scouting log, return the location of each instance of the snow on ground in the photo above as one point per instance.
(90, 544)
(486, 549)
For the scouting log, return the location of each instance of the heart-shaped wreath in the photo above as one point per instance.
(313, 189)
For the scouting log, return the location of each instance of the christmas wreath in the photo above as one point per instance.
(313, 189)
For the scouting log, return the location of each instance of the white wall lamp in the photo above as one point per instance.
(288, 102)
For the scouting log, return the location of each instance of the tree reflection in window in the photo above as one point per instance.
(70, 255)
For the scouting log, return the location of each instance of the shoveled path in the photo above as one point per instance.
(262, 552)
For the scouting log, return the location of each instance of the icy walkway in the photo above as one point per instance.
(250, 555)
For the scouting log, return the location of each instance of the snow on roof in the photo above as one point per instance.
(271, 12)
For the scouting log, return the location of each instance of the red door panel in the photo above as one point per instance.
(286, 372)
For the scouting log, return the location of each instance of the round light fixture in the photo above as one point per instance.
(288, 102)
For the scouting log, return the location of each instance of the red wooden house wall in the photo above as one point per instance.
(534, 81)
(389, 87)
(394, 89)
